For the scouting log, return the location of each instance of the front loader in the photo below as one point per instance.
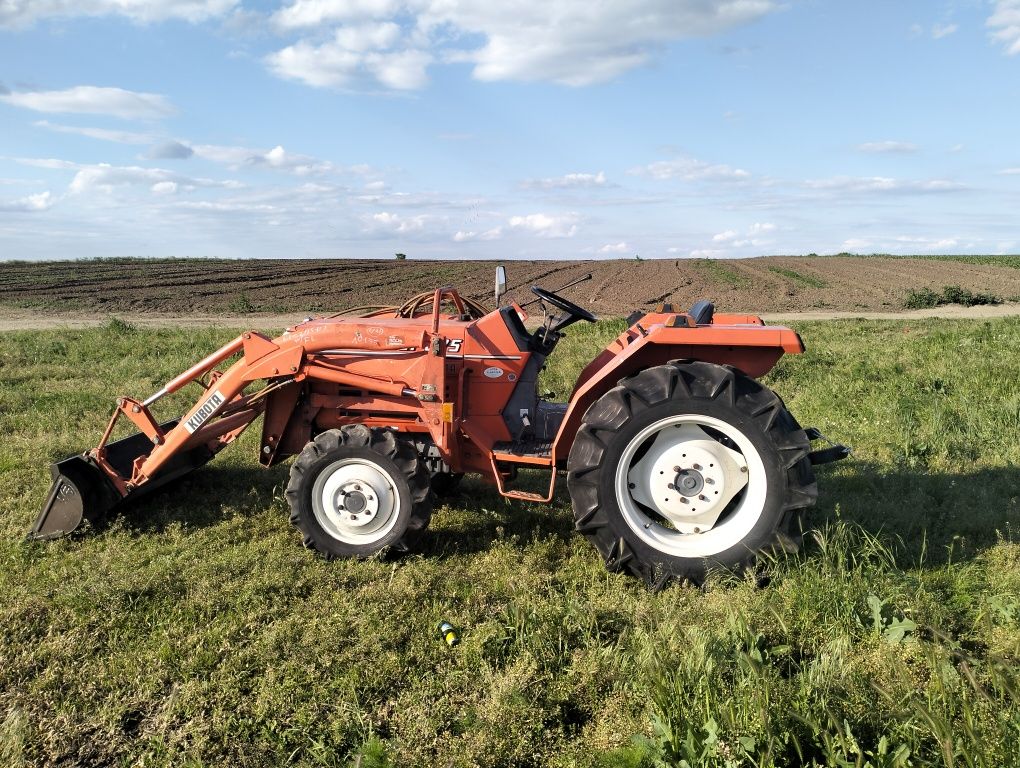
(676, 458)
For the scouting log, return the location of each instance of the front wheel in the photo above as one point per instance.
(687, 465)
(355, 491)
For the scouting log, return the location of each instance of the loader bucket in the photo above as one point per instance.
(79, 491)
(83, 491)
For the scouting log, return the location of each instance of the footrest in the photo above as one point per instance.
(835, 451)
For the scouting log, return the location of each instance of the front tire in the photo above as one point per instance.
(685, 466)
(356, 490)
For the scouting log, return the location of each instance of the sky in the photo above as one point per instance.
(521, 129)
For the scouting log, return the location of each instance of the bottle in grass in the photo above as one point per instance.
(449, 633)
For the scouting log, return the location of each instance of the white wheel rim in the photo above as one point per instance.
(355, 501)
(691, 501)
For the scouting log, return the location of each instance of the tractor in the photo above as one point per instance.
(676, 458)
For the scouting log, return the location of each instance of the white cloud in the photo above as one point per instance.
(706, 253)
(567, 42)
(876, 184)
(94, 100)
(902, 244)
(395, 222)
(356, 53)
(314, 13)
(22, 13)
(277, 158)
(165, 187)
(226, 206)
(733, 239)
(570, 180)
(615, 248)
(938, 31)
(30, 203)
(1009, 172)
(103, 134)
(564, 41)
(691, 169)
(1005, 23)
(105, 177)
(546, 225)
(887, 147)
(928, 243)
(490, 234)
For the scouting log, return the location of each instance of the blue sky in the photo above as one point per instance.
(524, 129)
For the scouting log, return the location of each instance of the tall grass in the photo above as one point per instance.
(194, 630)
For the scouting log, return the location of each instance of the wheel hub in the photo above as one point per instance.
(687, 477)
(355, 501)
(689, 482)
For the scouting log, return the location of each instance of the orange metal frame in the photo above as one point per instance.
(435, 375)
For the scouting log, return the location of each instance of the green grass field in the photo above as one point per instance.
(195, 630)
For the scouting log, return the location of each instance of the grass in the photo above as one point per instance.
(194, 630)
(924, 298)
(808, 281)
(719, 272)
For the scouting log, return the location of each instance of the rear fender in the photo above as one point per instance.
(753, 349)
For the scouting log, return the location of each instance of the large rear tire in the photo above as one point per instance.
(355, 491)
(686, 466)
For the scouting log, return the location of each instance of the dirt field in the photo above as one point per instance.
(774, 284)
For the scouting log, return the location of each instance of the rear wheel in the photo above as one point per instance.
(355, 491)
(685, 466)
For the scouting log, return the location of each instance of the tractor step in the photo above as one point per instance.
(538, 452)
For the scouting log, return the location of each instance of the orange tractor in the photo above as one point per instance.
(675, 457)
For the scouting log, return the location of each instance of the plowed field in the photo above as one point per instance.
(769, 284)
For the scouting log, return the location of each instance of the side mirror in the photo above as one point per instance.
(500, 282)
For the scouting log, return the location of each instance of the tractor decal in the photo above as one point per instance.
(208, 409)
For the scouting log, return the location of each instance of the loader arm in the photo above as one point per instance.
(88, 485)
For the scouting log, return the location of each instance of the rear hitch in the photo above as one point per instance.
(835, 451)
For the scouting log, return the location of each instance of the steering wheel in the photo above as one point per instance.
(561, 303)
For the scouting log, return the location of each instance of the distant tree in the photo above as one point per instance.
(401, 256)
(637, 257)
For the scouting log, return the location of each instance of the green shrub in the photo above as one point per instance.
(925, 298)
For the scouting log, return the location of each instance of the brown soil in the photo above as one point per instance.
(243, 288)
(37, 320)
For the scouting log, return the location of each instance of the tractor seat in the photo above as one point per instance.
(701, 313)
